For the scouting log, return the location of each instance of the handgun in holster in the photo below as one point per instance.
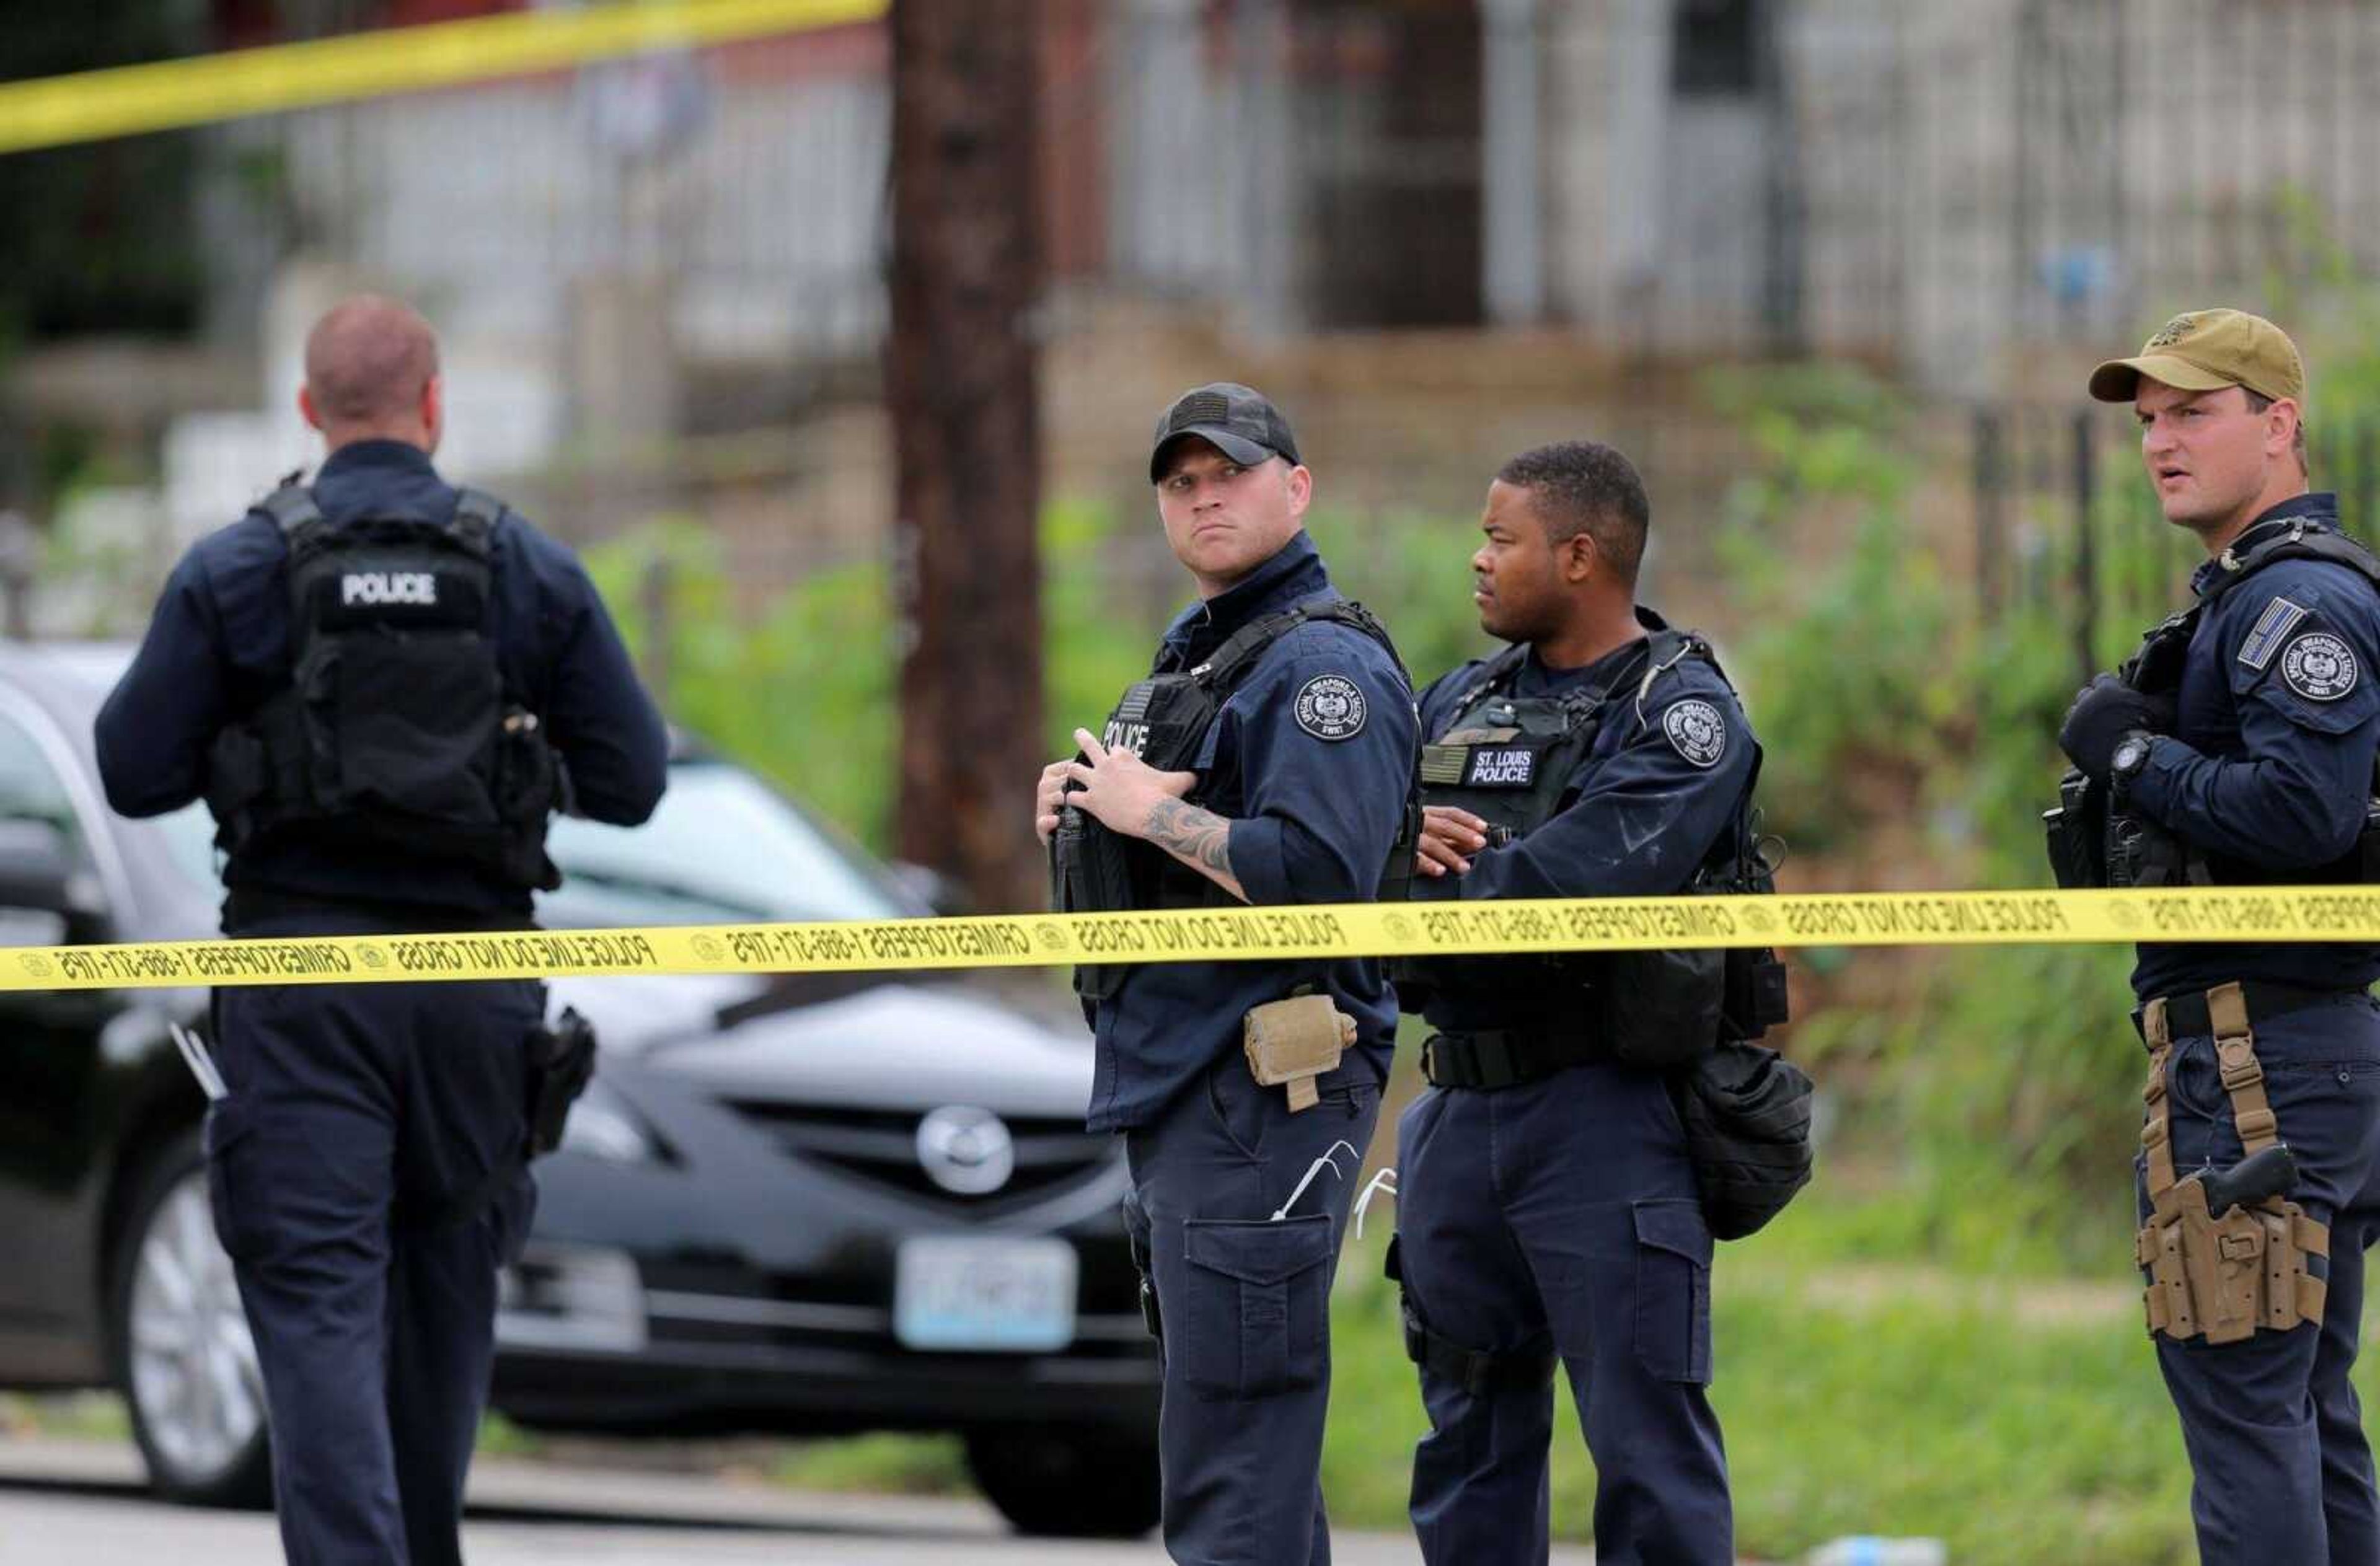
(1291, 1042)
(561, 1063)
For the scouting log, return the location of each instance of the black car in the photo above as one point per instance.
(804, 1203)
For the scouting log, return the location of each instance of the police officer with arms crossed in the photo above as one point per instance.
(2237, 748)
(1269, 759)
(1547, 1202)
(381, 685)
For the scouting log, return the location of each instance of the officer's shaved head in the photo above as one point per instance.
(368, 362)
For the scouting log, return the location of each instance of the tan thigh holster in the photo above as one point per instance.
(2226, 1274)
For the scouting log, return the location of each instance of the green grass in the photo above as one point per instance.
(1870, 1403)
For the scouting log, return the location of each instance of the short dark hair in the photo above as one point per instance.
(2258, 403)
(1584, 486)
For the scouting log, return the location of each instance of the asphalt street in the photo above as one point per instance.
(82, 1504)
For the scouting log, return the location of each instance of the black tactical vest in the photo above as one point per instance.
(396, 728)
(2084, 829)
(1165, 719)
(1510, 761)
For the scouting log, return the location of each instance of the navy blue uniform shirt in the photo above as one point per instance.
(1645, 804)
(219, 644)
(2270, 760)
(1312, 821)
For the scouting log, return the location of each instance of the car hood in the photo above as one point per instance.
(891, 1046)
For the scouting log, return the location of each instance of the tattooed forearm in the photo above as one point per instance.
(1200, 839)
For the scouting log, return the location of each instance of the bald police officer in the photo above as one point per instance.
(381, 685)
(2237, 748)
(1268, 759)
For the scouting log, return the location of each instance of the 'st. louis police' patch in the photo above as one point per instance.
(1696, 731)
(2319, 667)
(1331, 707)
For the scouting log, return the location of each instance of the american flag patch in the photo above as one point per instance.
(2272, 627)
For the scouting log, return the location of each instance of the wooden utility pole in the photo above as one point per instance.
(963, 374)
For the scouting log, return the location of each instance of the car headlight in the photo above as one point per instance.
(602, 1125)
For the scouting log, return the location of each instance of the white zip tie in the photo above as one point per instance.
(1383, 1184)
(1329, 1160)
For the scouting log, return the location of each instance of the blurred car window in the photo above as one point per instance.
(723, 847)
(32, 790)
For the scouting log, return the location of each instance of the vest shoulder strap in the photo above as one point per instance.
(293, 510)
(1494, 675)
(474, 522)
(1233, 661)
(2299, 542)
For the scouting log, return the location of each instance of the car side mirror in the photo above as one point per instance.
(929, 887)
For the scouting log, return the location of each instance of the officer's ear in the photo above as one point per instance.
(433, 409)
(306, 409)
(2282, 419)
(1578, 558)
(1300, 482)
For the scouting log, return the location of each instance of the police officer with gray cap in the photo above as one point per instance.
(2237, 748)
(381, 685)
(1268, 758)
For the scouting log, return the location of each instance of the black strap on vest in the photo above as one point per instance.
(2158, 665)
(1231, 663)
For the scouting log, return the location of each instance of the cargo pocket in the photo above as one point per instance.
(233, 1189)
(1257, 1305)
(1673, 1260)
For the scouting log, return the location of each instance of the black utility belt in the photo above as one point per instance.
(2186, 1014)
(1493, 1057)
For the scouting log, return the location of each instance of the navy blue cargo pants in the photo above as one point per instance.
(1245, 1305)
(2280, 1468)
(1552, 1220)
(368, 1181)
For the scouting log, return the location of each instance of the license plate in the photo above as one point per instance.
(985, 1294)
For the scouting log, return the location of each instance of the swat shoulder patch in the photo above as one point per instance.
(2319, 666)
(1696, 731)
(1331, 707)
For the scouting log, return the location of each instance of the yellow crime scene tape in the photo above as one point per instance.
(1355, 930)
(176, 94)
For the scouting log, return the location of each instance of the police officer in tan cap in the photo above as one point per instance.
(2236, 748)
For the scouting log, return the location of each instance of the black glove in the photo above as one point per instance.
(2105, 711)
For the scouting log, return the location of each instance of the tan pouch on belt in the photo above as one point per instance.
(1294, 1041)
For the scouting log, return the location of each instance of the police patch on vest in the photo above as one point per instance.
(2319, 667)
(1499, 766)
(1331, 707)
(1696, 732)
(388, 587)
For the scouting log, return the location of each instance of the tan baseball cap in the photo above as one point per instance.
(2205, 350)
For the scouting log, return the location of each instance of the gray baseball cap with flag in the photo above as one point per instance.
(1241, 422)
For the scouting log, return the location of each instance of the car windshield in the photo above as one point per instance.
(722, 847)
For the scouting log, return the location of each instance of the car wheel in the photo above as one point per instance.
(1068, 1483)
(182, 1357)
